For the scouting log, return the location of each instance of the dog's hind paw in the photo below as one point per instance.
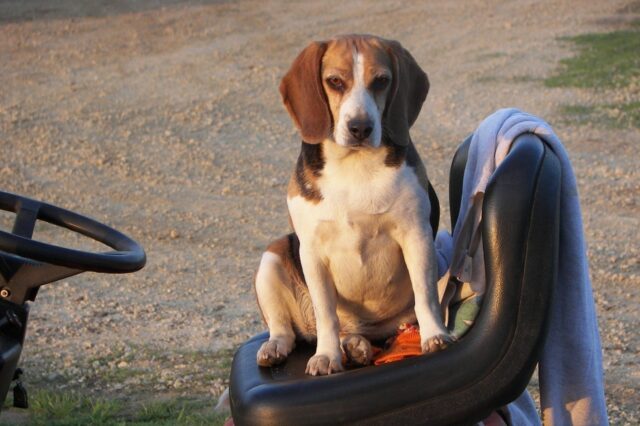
(437, 343)
(272, 353)
(358, 349)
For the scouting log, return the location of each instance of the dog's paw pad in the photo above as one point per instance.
(321, 365)
(437, 343)
(271, 353)
(358, 349)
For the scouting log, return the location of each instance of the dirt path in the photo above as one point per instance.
(163, 119)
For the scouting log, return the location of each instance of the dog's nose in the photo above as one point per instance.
(360, 129)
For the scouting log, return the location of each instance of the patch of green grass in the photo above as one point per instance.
(70, 409)
(578, 113)
(134, 402)
(603, 61)
(177, 412)
(608, 60)
(611, 115)
(53, 408)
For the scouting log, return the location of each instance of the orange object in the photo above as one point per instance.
(405, 344)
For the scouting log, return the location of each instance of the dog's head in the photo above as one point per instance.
(354, 90)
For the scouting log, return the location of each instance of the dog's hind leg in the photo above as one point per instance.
(272, 292)
(276, 289)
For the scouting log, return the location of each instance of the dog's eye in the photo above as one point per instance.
(335, 83)
(380, 82)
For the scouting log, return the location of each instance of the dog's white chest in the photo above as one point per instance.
(354, 187)
(352, 230)
(365, 261)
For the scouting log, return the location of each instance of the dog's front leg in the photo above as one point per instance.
(328, 357)
(420, 257)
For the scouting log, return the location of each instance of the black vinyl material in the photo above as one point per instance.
(489, 367)
(456, 175)
(13, 327)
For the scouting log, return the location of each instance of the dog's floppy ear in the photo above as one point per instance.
(304, 97)
(409, 89)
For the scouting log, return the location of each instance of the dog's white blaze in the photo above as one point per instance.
(358, 104)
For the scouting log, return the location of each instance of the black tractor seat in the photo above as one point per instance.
(488, 368)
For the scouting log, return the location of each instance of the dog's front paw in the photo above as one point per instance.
(321, 365)
(358, 349)
(272, 353)
(437, 343)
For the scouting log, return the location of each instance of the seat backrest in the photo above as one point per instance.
(520, 241)
(456, 176)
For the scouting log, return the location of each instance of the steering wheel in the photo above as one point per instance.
(27, 263)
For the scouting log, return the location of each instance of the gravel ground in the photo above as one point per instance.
(162, 118)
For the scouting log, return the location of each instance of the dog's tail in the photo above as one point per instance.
(224, 403)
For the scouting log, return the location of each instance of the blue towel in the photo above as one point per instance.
(570, 368)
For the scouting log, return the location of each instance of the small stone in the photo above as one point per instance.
(54, 376)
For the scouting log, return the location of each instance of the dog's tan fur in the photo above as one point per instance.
(361, 260)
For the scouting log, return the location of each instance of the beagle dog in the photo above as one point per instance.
(361, 260)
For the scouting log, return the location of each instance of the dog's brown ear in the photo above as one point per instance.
(304, 97)
(409, 89)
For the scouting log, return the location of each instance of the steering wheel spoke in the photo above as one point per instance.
(26, 217)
